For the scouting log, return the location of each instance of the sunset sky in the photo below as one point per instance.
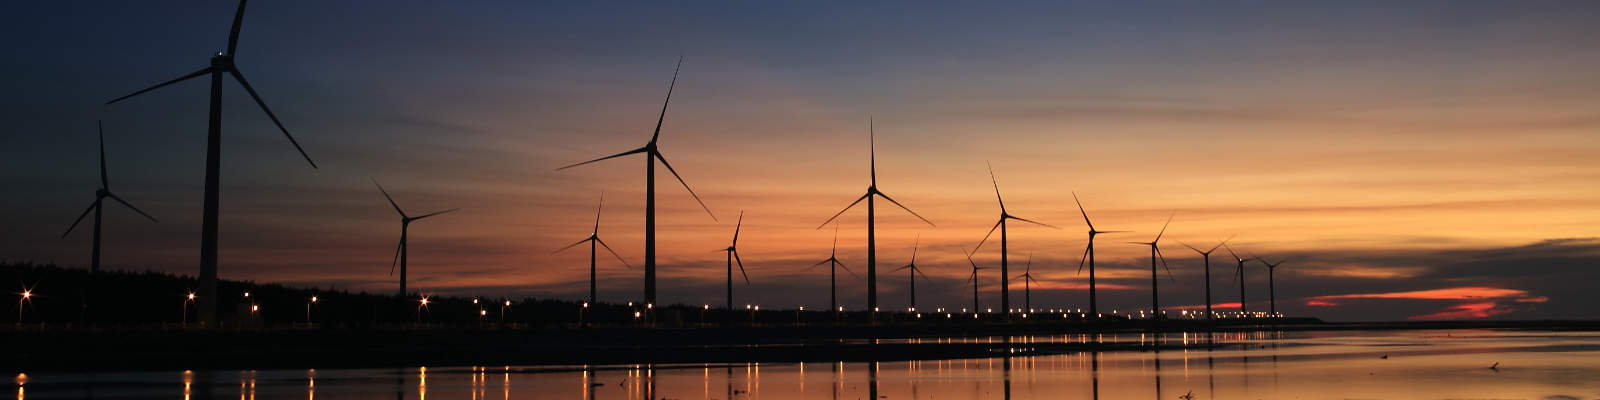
(1418, 160)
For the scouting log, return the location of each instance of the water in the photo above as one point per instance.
(1267, 365)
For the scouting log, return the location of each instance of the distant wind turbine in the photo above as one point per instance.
(1155, 254)
(913, 272)
(1207, 255)
(222, 63)
(405, 224)
(651, 154)
(99, 199)
(1272, 291)
(872, 224)
(594, 238)
(733, 256)
(1005, 265)
(1027, 284)
(1238, 273)
(833, 272)
(1088, 254)
(973, 280)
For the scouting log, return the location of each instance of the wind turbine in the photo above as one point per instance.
(651, 154)
(1005, 271)
(405, 224)
(833, 272)
(1088, 254)
(1027, 284)
(1272, 291)
(1207, 255)
(1238, 273)
(973, 280)
(1155, 254)
(733, 256)
(221, 63)
(99, 198)
(912, 279)
(872, 224)
(594, 238)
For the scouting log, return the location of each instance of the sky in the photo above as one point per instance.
(1417, 160)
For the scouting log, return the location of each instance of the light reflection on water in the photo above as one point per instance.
(1420, 364)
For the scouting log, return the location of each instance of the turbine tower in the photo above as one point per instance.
(733, 256)
(1088, 254)
(1207, 255)
(1238, 273)
(405, 224)
(1272, 291)
(973, 280)
(594, 238)
(1027, 285)
(914, 271)
(833, 272)
(872, 224)
(1005, 270)
(651, 154)
(222, 63)
(1155, 254)
(100, 196)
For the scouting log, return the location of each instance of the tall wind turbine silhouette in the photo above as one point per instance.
(1088, 254)
(833, 272)
(914, 271)
(1027, 284)
(1272, 290)
(594, 238)
(1155, 254)
(973, 280)
(1238, 273)
(1005, 270)
(221, 63)
(100, 196)
(1207, 255)
(651, 154)
(872, 224)
(405, 225)
(733, 256)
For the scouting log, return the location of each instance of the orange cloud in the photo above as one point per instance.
(1320, 303)
(1465, 311)
(1460, 293)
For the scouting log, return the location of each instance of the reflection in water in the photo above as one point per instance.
(1300, 365)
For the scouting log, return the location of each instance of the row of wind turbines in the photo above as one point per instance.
(224, 64)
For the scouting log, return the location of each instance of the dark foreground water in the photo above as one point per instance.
(1454, 364)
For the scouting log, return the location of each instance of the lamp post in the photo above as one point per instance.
(503, 307)
(308, 309)
(27, 297)
(703, 309)
(184, 319)
(580, 312)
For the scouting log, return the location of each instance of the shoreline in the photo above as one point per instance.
(48, 349)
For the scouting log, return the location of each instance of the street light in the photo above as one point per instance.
(308, 309)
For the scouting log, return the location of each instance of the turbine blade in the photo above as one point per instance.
(736, 227)
(397, 248)
(872, 148)
(1081, 211)
(391, 199)
(685, 185)
(841, 212)
(629, 152)
(597, 212)
(847, 269)
(1230, 251)
(572, 245)
(1083, 258)
(86, 211)
(1035, 222)
(925, 277)
(986, 236)
(1164, 226)
(613, 252)
(664, 104)
(914, 246)
(434, 213)
(233, 34)
(1192, 247)
(202, 71)
(736, 260)
(1163, 258)
(1221, 243)
(113, 196)
(903, 268)
(815, 265)
(246, 84)
(996, 187)
(105, 183)
(903, 207)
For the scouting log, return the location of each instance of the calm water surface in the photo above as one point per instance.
(1295, 365)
